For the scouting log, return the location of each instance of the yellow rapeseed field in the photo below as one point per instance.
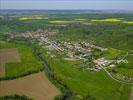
(107, 20)
(128, 22)
(29, 18)
(57, 21)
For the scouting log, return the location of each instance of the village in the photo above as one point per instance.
(73, 50)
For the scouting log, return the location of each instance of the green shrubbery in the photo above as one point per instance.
(15, 97)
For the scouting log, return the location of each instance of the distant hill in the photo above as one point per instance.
(32, 12)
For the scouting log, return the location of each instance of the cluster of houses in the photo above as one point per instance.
(73, 50)
(107, 63)
(35, 34)
(79, 51)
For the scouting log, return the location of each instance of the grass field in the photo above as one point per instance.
(131, 95)
(113, 53)
(84, 83)
(113, 31)
(8, 56)
(126, 69)
(28, 61)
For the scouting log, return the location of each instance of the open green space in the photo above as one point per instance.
(102, 30)
(113, 53)
(28, 62)
(86, 84)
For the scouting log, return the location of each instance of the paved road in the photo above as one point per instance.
(120, 81)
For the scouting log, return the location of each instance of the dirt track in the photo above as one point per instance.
(35, 86)
(8, 56)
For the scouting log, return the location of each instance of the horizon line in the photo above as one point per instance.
(71, 9)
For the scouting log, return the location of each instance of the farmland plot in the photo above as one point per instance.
(8, 56)
(35, 86)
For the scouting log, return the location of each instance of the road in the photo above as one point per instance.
(120, 81)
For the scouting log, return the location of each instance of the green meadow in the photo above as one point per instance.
(112, 31)
(87, 85)
(28, 62)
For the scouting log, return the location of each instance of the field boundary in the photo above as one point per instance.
(20, 76)
(36, 86)
(8, 55)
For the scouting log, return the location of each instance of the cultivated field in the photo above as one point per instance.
(8, 56)
(111, 31)
(28, 63)
(35, 86)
